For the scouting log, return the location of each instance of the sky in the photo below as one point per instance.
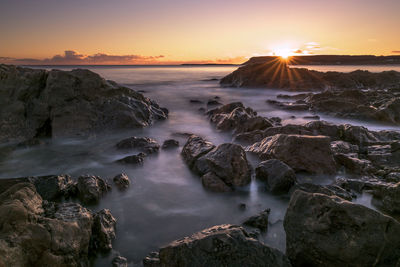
(184, 31)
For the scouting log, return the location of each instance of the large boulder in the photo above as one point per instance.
(39, 103)
(222, 245)
(228, 162)
(326, 230)
(103, 231)
(301, 152)
(194, 148)
(279, 177)
(144, 144)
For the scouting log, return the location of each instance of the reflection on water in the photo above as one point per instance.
(165, 201)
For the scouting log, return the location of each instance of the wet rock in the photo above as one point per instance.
(301, 152)
(119, 262)
(103, 230)
(278, 176)
(152, 260)
(242, 206)
(144, 144)
(212, 182)
(54, 104)
(222, 245)
(91, 188)
(213, 102)
(195, 101)
(133, 159)
(329, 190)
(328, 231)
(313, 117)
(194, 148)
(170, 143)
(121, 181)
(259, 221)
(30, 238)
(354, 165)
(343, 147)
(228, 162)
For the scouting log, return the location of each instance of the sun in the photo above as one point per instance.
(282, 52)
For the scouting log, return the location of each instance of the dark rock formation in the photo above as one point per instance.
(103, 231)
(323, 230)
(133, 159)
(194, 148)
(38, 103)
(278, 176)
(121, 181)
(330, 190)
(222, 245)
(301, 152)
(169, 144)
(144, 144)
(259, 221)
(119, 262)
(91, 188)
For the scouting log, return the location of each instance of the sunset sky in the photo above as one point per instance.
(177, 31)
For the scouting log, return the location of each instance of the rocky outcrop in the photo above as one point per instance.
(278, 176)
(133, 159)
(301, 152)
(170, 143)
(324, 230)
(103, 231)
(143, 144)
(221, 168)
(91, 188)
(222, 245)
(259, 221)
(35, 232)
(39, 103)
(276, 73)
(329, 190)
(236, 118)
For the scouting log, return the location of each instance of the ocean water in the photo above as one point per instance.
(166, 201)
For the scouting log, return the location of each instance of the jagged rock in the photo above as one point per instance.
(354, 165)
(222, 245)
(278, 176)
(103, 230)
(259, 221)
(91, 188)
(119, 262)
(144, 144)
(330, 190)
(133, 159)
(301, 152)
(194, 148)
(228, 162)
(170, 143)
(121, 181)
(38, 103)
(212, 182)
(325, 230)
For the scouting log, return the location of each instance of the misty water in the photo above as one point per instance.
(165, 200)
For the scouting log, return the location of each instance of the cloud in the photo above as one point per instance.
(298, 51)
(71, 57)
(396, 51)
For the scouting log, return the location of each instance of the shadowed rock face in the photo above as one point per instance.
(221, 245)
(275, 73)
(40, 103)
(326, 230)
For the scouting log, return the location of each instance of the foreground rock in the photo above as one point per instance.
(40, 233)
(91, 188)
(39, 103)
(259, 221)
(222, 245)
(170, 143)
(222, 168)
(323, 230)
(121, 181)
(301, 152)
(278, 176)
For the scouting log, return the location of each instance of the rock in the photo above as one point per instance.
(301, 152)
(228, 162)
(91, 188)
(242, 206)
(29, 237)
(170, 143)
(343, 147)
(121, 181)
(144, 144)
(222, 245)
(194, 148)
(103, 230)
(152, 260)
(195, 101)
(133, 159)
(212, 182)
(354, 165)
(313, 117)
(329, 190)
(278, 176)
(324, 230)
(119, 262)
(38, 103)
(213, 102)
(389, 194)
(259, 221)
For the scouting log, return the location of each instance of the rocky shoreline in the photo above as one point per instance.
(44, 220)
